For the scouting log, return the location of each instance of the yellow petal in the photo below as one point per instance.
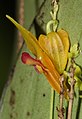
(30, 40)
(56, 45)
(65, 40)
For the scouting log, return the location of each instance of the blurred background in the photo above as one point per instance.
(7, 40)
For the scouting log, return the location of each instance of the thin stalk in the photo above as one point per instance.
(61, 109)
(21, 21)
(71, 93)
(52, 104)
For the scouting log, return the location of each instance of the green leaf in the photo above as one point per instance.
(28, 95)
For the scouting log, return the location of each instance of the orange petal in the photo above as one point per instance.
(53, 80)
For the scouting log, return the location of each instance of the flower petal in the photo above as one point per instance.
(57, 48)
(27, 59)
(53, 79)
(30, 39)
(65, 40)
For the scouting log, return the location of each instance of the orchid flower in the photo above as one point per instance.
(50, 51)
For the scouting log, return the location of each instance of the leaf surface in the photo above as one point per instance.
(29, 95)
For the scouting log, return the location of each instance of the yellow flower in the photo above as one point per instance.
(51, 52)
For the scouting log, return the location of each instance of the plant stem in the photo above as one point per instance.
(21, 21)
(52, 104)
(71, 93)
(61, 109)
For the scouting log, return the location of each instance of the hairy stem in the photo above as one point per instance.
(21, 21)
(71, 93)
(61, 109)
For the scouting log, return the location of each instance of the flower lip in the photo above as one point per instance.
(27, 59)
(24, 57)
